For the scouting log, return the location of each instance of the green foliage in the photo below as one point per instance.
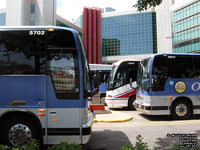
(127, 147)
(146, 4)
(4, 147)
(139, 145)
(34, 145)
(30, 145)
(176, 146)
(66, 146)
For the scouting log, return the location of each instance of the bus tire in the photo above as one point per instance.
(22, 124)
(181, 110)
(131, 103)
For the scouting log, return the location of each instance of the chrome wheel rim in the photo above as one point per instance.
(181, 110)
(19, 134)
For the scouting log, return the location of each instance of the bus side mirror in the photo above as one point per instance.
(96, 79)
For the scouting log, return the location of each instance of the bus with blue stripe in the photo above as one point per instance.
(44, 87)
(169, 84)
(120, 92)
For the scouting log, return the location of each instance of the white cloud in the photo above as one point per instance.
(3, 3)
(73, 9)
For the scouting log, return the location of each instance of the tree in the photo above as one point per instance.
(145, 4)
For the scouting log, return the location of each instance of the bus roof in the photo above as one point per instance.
(7, 28)
(165, 54)
(123, 60)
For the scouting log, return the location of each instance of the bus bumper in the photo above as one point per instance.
(116, 103)
(87, 129)
(144, 109)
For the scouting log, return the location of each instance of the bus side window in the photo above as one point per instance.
(179, 68)
(63, 69)
(196, 60)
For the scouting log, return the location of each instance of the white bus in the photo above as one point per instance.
(169, 84)
(120, 92)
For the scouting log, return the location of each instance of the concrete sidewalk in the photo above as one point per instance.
(111, 117)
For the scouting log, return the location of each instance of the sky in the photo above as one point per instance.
(2, 4)
(72, 9)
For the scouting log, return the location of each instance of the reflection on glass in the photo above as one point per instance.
(63, 71)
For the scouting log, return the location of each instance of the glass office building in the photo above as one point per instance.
(128, 34)
(186, 27)
(124, 35)
(2, 19)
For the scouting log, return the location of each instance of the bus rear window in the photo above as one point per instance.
(60, 39)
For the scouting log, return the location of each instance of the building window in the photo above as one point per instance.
(2, 19)
(32, 14)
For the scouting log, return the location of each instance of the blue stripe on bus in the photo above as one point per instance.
(35, 91)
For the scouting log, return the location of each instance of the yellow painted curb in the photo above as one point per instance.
(113, 121)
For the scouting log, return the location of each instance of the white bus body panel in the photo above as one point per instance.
(119, 97)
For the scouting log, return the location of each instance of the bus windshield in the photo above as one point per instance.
(112, 77)
(143, 77)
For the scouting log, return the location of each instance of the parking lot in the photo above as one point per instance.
(157, 131)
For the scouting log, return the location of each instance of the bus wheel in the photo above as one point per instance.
(18, 129)
(131, 104)
(181, 110)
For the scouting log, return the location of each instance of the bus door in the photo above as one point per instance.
(160, 83)
(63, 88)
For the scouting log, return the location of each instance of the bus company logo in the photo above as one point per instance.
(195, 86)
(180, 87)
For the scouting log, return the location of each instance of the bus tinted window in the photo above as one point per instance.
(196, 60)
(126, 72)
(159, 73)
(60, 39)
(121, 75)
(63, 68)
(132, 69)
(145, 73)
(21, 53)
(180, 66)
